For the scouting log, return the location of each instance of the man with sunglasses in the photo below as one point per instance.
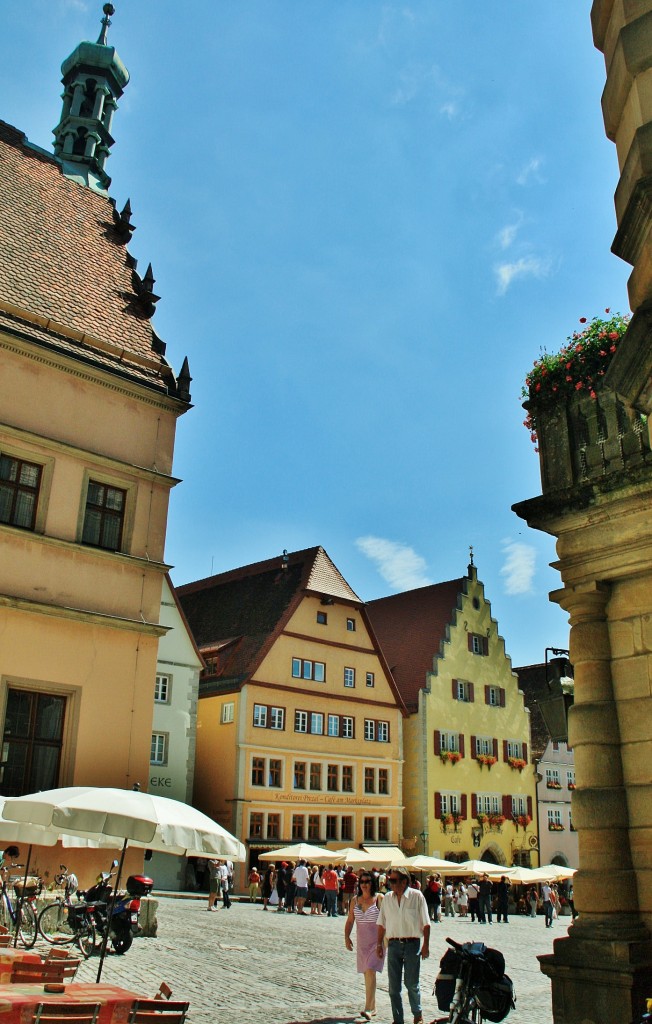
(404, 921)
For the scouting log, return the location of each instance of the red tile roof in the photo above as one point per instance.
(61, 260)
(410, 628)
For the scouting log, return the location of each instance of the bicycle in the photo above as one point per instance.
(472, 985)
(21, 918)
(63, 922)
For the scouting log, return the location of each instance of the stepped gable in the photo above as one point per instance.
(62, 260)
(241, 612)
(532, 681)
(410, 628)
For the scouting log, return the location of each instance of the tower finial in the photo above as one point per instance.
(108, 9)
(471, 554)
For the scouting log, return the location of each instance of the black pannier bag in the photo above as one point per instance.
(495, 998)
(449, 967)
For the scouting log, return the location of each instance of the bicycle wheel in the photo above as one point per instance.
(86, 937)
(53, 924)
(28, 928)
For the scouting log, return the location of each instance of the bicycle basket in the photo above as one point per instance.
(32, 888)
(495, 999)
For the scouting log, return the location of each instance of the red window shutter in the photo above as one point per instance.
(454, 689)
(469, 637)
(496, 748)
(525, 752)
(485, 645)
(474, 805)
(471, 693)
(437, 741)
(474, 749)
(437, 805)
(507, 805)
(529, 806)
(461, 745)
(486, 694)
(463, 806)
(505, 754)
(502, 697)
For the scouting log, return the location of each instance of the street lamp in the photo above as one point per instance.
(424, 839)
(555, 707)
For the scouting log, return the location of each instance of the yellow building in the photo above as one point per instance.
(89, 411)
(299, 732)
(469, 787)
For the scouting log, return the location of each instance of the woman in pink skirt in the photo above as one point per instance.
(363, 912)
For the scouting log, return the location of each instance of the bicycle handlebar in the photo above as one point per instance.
(454, 944)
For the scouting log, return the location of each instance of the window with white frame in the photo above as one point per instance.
(159, 748)
(301, 721)
(304, 668)
(350, 625)
(369, 729)
(371, 679)
(451, 803)
(382, 732)
(488, 803)
(349, 677)
(570, 779)
(260, 716)
(553, 778)
(519, 805)
(484, 745)
(449, 742)
(162, 690)
(317, 723)
(277, 718)
(462, 690)
(554, 818)
(333, 725)
(347, 727)
(228, 712)
(493, 696)
(515, 749)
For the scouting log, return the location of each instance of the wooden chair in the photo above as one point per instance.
(47, 972)
(164, 991)
(157, 1011)
(6, 940)
(65, 1013)
(59, 953)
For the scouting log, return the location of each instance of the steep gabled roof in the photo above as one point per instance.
(240, 613)
(410, 628)
(532, 681)
(66, 279)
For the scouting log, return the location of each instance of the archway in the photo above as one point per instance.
(493, 855)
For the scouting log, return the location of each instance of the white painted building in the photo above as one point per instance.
(174, 724)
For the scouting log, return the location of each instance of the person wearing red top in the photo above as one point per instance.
(332, 888)
(349, 888)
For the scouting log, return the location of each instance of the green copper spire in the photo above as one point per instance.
(94, 78)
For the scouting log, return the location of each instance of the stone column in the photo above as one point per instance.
(600, 971)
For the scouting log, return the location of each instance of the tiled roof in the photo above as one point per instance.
(61, 260)
(242, 611)
(532, 681)
(410, 628)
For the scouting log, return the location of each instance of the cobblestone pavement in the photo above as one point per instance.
(274, 968)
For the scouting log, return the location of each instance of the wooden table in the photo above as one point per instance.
(10, 956)
(18, 1002)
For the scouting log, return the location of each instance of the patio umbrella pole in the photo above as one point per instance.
(110, 912)
(21, 898)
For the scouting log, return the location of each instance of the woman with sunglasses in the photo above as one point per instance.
(363, 911)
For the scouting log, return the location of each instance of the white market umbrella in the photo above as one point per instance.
(386, 855)
(350, 855)
(552, 873)
(299, 851)
(477, 867)
(424, 863)
(520, 875)
(127, 816)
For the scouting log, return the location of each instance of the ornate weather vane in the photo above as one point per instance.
(471, 553)
(108, 9)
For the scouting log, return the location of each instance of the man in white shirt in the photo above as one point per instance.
(300, 879)
(547, 904)
(404, 919)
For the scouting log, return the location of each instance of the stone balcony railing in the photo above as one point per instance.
(584, 440)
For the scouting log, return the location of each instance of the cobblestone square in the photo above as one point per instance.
(246, 964)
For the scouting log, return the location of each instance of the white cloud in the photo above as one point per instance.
(507, 235)
(398, 564)
(527, 266)
(519, 567)
(531, 170)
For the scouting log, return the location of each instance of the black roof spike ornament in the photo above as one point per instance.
(183, 381)
(144, 289)
(108, 9)
(122, 222)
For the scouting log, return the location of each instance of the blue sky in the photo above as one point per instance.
(365, 221)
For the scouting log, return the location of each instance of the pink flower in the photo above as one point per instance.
(612, 348)
(538, 387)
(579, 385)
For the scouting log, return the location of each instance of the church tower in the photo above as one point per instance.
(94, 79)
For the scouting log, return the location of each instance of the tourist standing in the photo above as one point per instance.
(533, 900)
(364, 909)
(331, 887)
(485, 889)
(269, 881)
(213, 883)
(349, 887)
(502, 900)
(404, 920)
(254, 885)
(300, 879)
(546, 893)
(224, 883)
(472, 893)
